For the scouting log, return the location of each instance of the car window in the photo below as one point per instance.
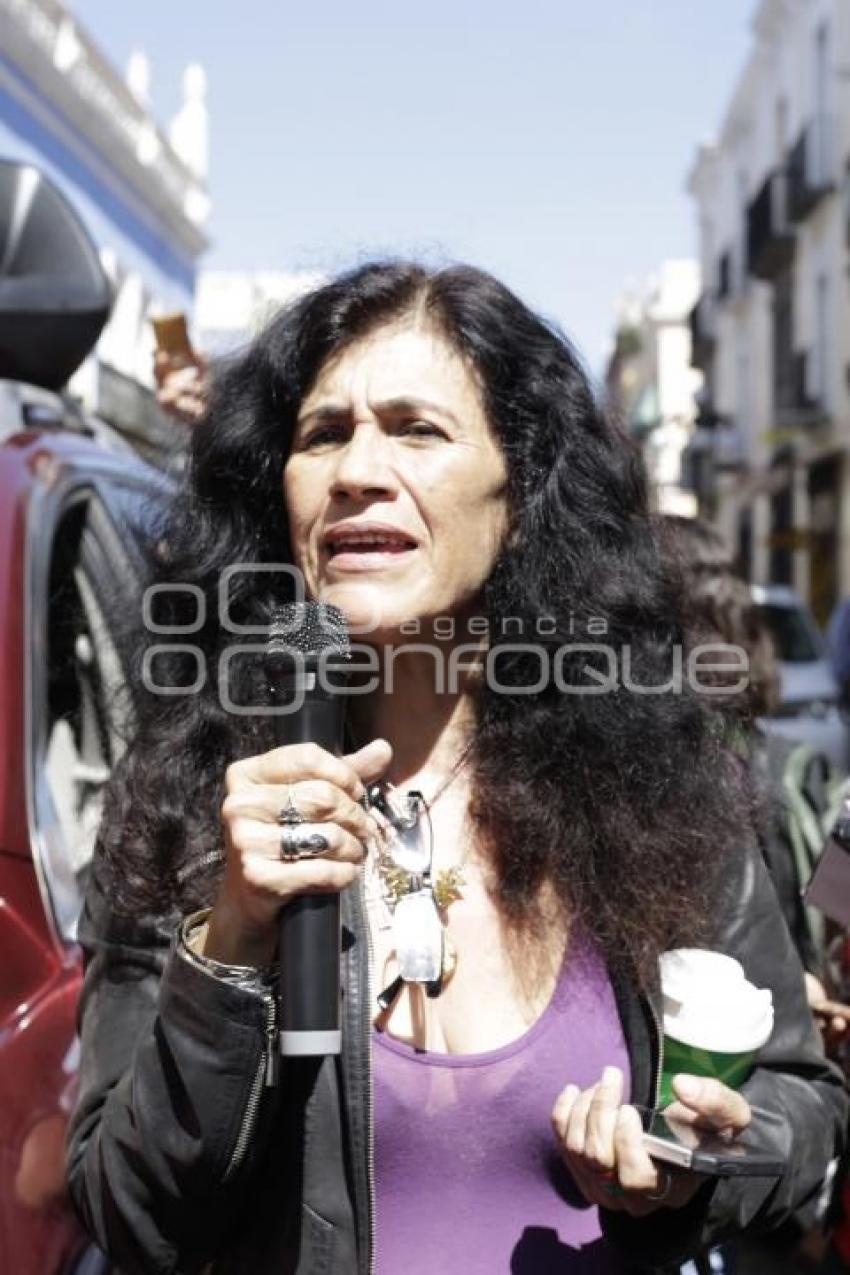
(792, 633)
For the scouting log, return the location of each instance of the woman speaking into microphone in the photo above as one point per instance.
(531, 809)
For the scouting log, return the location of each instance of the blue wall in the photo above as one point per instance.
(110, 211)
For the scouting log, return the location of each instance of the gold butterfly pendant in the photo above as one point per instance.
(448, 887)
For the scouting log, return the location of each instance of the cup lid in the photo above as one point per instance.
(709, 1003)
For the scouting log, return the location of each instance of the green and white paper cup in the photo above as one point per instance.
(715, 1020)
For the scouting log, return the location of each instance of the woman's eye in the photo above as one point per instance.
(326, 434)
(421, 429)
(331, 435)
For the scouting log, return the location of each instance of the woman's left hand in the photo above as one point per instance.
(600, 1140)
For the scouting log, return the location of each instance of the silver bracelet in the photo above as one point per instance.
(246, 976)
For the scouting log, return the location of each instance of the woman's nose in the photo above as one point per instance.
(363, 465)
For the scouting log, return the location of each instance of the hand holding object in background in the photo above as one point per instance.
(181, 374)
(831, 1016)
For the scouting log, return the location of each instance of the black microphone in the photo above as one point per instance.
(308, 657)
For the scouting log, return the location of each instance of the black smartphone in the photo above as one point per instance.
(760, 1151)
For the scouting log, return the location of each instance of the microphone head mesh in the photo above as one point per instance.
(310, 628)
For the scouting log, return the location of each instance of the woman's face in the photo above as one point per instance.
(395, 487)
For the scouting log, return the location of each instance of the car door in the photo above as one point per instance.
(81, 575)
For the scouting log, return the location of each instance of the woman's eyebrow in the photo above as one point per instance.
(388, 406)
(329, 412)
(406, 403)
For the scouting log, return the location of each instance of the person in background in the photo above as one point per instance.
(182, 385)
(719, 608)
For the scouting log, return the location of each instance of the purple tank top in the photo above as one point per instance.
(467, 1172)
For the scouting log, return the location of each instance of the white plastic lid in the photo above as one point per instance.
(710, 1004)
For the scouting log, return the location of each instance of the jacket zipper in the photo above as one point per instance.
(264, 1078)
(370, 1113)
(659, 1053)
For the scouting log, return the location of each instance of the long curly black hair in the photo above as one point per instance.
(622, 799)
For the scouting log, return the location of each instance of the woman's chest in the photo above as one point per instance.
(493, 994)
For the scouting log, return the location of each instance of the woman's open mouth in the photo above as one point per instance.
(367, 548)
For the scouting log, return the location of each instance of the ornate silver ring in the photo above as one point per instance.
(296, 845)
(290, 816)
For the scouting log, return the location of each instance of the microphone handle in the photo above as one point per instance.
(310, 933)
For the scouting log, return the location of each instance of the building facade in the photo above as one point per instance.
(651, 381)
(140, 191)
(232, 305)
(769, 460)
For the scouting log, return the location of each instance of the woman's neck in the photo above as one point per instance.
(428, 728)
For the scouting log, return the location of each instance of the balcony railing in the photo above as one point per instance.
(794, 406)
(716, 446)
(730, 452)
(708, 419)
(770, 235)
(731, 272)
(703, 332)
(811, 167)
(697, 468)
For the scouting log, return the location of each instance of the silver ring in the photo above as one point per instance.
(296, 845)
(664, 1189)
(290, 816)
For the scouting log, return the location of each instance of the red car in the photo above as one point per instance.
(74, 504)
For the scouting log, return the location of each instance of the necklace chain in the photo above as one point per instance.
(457, 766)
(449, 779)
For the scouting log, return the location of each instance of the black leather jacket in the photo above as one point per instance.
(192, 1148)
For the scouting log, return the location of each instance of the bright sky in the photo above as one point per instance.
(545, 140)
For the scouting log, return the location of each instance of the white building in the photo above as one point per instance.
(772, 325)
(141, 193)
(232, 305)
(652, 382)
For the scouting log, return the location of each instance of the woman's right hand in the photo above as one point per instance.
(242, 928)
